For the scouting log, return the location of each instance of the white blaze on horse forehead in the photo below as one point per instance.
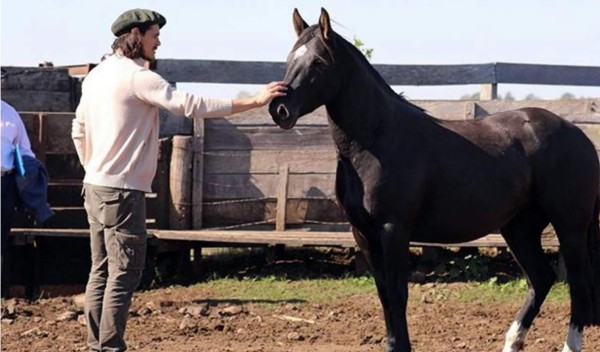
(300, 51)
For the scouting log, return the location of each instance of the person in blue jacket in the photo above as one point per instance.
(24, 178)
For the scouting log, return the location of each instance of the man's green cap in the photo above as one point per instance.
(136, 18)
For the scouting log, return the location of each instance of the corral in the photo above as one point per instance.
(239, 181)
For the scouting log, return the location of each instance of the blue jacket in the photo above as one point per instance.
(32, 188)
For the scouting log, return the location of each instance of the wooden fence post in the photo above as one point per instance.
(489, 92)
(42, 138)
(197, 173)
(197, 189)
(180, 183)
(282, 191)
(162, 182)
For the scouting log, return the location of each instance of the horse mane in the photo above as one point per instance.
(369, 67)
(314, 32)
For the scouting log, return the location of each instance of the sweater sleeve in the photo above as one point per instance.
(155, 90)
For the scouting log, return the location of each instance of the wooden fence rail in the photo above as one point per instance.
(488, 75)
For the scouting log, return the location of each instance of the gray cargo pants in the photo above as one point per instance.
(117, 220)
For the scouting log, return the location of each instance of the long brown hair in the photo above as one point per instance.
(129, 44)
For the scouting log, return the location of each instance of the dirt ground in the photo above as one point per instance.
(185, 319)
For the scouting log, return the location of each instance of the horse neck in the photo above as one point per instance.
(362, 106)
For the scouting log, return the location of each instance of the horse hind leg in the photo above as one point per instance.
(580, 247)
(523, 236)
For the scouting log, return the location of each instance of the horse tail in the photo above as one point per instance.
(594, 254)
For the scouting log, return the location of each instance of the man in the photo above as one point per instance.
(115, 132)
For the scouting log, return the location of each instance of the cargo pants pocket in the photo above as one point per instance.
(129, 251)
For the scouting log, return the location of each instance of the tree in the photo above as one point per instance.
(509, 97)
(567, 96)
(360, 46)
(532, 96)
(474, 96)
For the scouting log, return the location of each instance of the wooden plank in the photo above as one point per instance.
(304, 238)
(563, 108)
(36, 78)
(216, 71)
(65, 194)
(261, 117)
(445, 109)
(265, 186)
(282, 192)
(584, 118)
(198, 173)
(67, 232)
(267, 161)
(289, 237)
(434, 75)
(39, 100)
(64, 166)
(243, 212)
(561, 75)
(266, 137)
(180, 183)
(57, 130)
(260, 72)
(65, 217)
(247, 72)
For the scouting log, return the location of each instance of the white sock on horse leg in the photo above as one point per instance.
(515, 337)
(574, 341)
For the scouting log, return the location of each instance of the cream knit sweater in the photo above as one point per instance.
(115, 129)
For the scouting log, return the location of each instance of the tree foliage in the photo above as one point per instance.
(368, 52)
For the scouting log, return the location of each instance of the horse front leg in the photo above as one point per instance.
(372, 252)
(394, 244)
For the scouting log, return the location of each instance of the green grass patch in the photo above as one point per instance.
(278, 289)
(515, 290)
(273, 290)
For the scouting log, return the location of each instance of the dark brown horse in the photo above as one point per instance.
(404, 176)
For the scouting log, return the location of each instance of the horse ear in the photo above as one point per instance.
(325, 24)
(299, 24)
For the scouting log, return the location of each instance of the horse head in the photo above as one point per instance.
(311, 72)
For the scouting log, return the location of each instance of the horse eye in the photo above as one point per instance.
(317, 63)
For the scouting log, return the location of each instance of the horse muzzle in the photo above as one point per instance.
(281, 115)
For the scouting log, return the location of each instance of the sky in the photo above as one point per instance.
(441, 32)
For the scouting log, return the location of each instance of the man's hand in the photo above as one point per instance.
(262, 98)
(270, 91)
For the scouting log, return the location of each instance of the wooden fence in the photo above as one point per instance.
(240, 180)
(245, 172)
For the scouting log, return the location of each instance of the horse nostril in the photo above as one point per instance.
(282, 111)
